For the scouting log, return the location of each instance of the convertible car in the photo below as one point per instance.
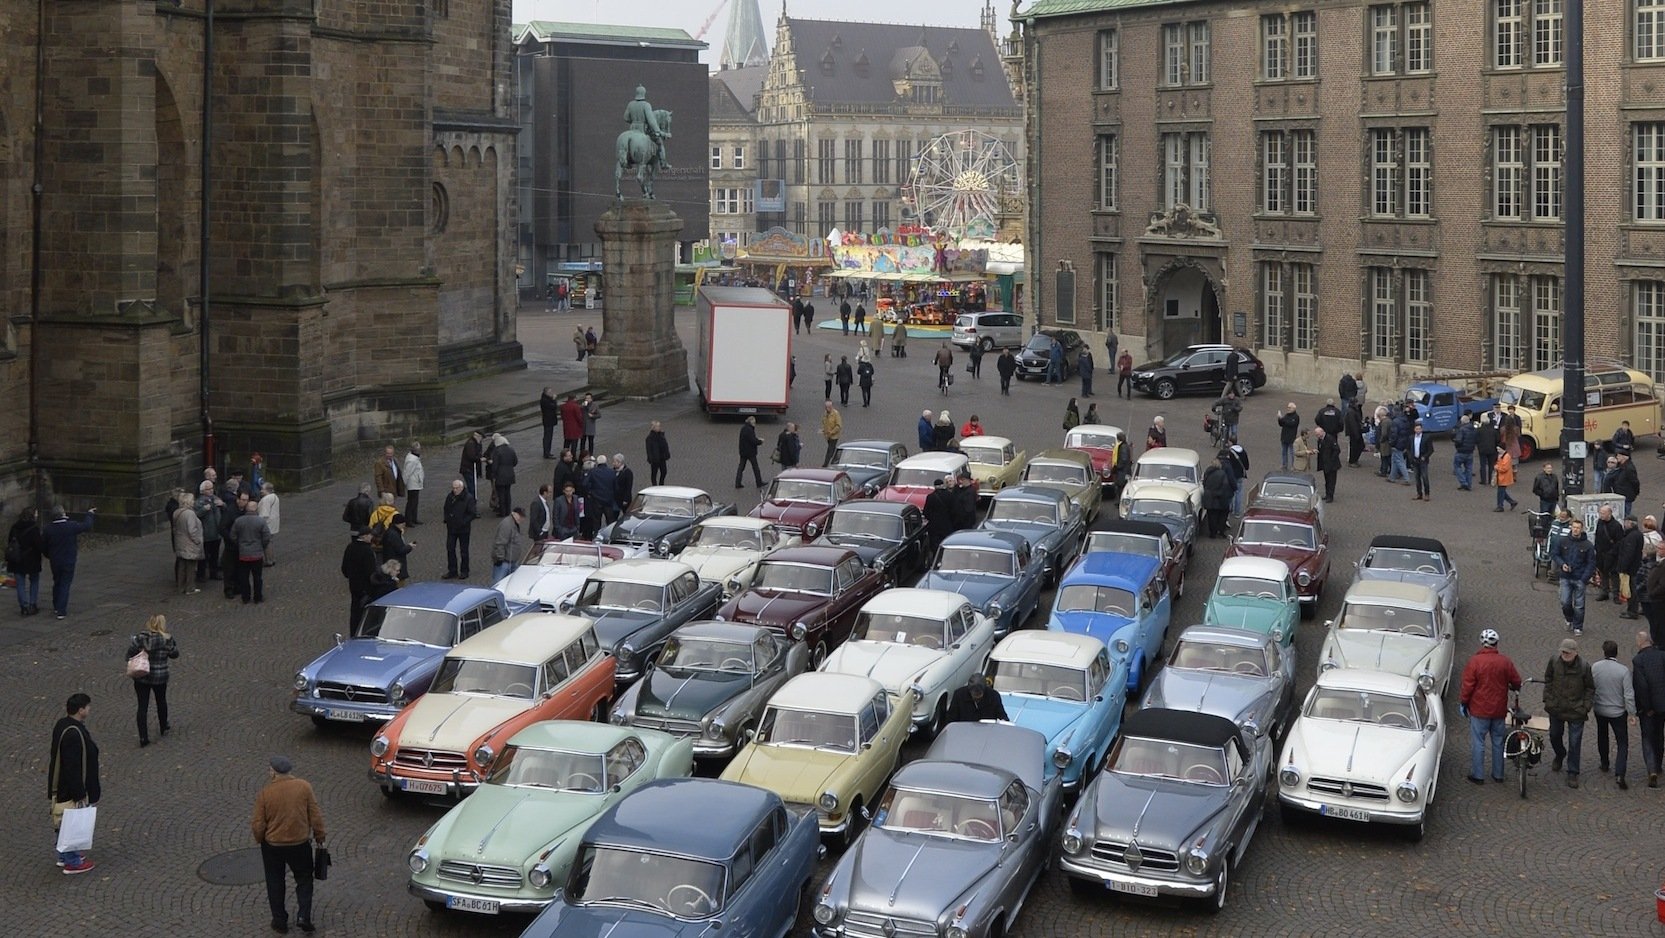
(1145, 539)
(1067, 688)
(662, 518)
(1411, 560)
(553, 571)
(1400, 628)
(1297, 490)
(1100, 442)
(1169, 506)
(993, 569)
(1120, 600)
(1244, 676)
(905, 637)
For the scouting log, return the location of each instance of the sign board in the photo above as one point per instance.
(771, 195)
(1240, 324)
(1586, 507)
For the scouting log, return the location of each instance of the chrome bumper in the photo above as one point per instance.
(318, 707)
(1165, 887)
(458, 785)
(512, 906)
(705, 750)
(1374, 816)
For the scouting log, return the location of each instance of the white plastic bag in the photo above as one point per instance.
(76, 832)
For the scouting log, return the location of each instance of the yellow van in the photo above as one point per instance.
(1612, 395)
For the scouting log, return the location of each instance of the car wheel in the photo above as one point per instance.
(320, 722)
(987, 344)
(1417, 831)
(1179, 589)
(434, 905)
(939, 718)
(817, 656)
(1245, 387)
(1528, 448)
(1290, 816)
(852, 830)
(1217, 901)
(1165, 389)
(1308, 610)
(391, 794)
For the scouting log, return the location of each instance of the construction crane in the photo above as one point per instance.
(715, 12)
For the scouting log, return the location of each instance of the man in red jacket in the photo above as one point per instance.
(1488, 678)
(572, 423)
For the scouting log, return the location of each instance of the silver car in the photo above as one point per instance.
(1245, 676)
(956, 844)
(1412, 560)
(991, 330)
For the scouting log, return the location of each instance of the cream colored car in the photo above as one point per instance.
(1167, 465)
(726, 550)
(996, 462)
(1071, 470)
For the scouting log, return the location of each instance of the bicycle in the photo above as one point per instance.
(1537, 527)
(1524, 745)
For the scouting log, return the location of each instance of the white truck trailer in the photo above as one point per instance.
(743, 351)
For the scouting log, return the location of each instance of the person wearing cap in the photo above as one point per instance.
(1647, 678)
(1627, 560)
(1573, 559)
(1487, 680)
(976, 701)
(1622, 481)
(510, 544)
(1569, 693)
(287, 822)
(358, 565)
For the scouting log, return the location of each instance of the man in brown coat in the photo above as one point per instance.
(387, 475)
(287, 821)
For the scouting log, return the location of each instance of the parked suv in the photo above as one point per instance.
(990, 330)
(1199, 369)
(1032, 360)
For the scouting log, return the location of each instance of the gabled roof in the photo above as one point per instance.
(856, 63)
(1045, 8)
(551, 31)
(737, 88)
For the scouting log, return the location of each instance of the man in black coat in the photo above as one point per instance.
(1647, 679)
(1006, 365)
(940, 511)
(72, 772)
(356, 513)
(749, 444)
(1289, 427)
(359, 565)
(965, 502)
(975, 702)
(549, 408)
(658, 454)
(624, 482)
(1329, 460)
(459, 514)
(1347, 389)
(1419, 451)
(1627, 559)
(1485, 448)
(1352, 423)
(1608, 531)
(1623, 481)
(1329, 418)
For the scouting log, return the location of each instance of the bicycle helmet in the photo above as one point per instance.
(1489, 638)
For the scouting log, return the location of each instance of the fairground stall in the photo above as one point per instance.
(915, 276)
(790, 264)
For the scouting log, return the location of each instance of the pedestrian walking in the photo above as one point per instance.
(1606, 534)
(1485, 448)
(186, 530)
(236, 504)
(1627, 562)
(1006, 367)
(72, 774)
(1574, 559)
(945, 368)
(1072, 415)
(749, 444)
(415, 478)
(1111, 346)
(287, 823)
(844, 317)
(1230, 411)
(23, 557)
(861, 319)
(61, 545)
(1124, 374)
(1647, 676)
(1462, 456)
(624, 483)
(1569, 693)
(1483, 697)
(1352, 425)
(578, 341)
(159, 648)
(788, 448)
(832, 429)
(1218, 488)
(899, 340)
(549, 409)
(1289, 428)
(1084, 368)
(473, 456)
(1503, 473)
(1236, 460)
(844, 376)
(503, 463)
(1615, 708)
(510, 545)
(1654, 590)
(864, 378)
(829, 372)
(658, 453)
(1419, 452)
(1347, 389)
(250, 538)
(797, 315)
(459, 513)
(1328, 452)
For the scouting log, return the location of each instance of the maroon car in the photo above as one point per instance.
(799, 500)
(1296, 537)
(811, 594)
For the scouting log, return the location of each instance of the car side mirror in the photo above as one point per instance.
(866, 815)
(867, 745)
(566, 605)
(1013, 835)
(1430, 728)
(1098, 698)
(339, 640)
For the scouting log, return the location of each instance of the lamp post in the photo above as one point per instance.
(1572, 323)
(209, 456)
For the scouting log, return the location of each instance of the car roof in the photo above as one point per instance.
(1039, 646)
(1074, 457)
(1256, 568)
(811, 475)
(985, 440)
(718, 630)
(1226, 635)
(1183, 726)
(1171, 454)
(527, 638)
(573, 735)
(1392, 593)
(642, 570)
(1285, 511)
(1125, 526)
(1106, 565)
(1200, 346)
(1375, 682)
(1162, 491)
(908, 601)
(868, 444)
(446, 597)
(673, 491)
(1007, 748)
(995, 540)
(1093, 428)
(1406, 542)
(873, 507)
(735, 521)
(953, 777)
(811, 554)
(827, 693)
(1305, 478)
(945, 462)
(1032, 492)
(726, 813)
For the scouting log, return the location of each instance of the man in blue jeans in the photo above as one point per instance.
(61, 543)
(1488, 678)
(1462, 458)
(1574, 560)
(1569, 692)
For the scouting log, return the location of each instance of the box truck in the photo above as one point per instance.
(743, 351)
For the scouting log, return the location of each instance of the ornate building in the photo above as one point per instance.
(357, 221)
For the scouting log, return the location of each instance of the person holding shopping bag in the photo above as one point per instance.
(72, 776)
(151, 677)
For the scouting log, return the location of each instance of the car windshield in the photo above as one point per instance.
(1203, 655)
(1039, 680)
(1117, 542)
(1248, 586)
(900, 629)
(987, 455)
(486, 678)
(1375, 618)
(864, 458)
(1040, 342)
(915, 476)
(550, 768)
(1179, 357)
(1172, 472)
(404, 624)
(976, 560)
(1398, 558)
(719, 535)
(1529, 400)
(1156, 508)
(1334, 703)
(618, 594)
(1083, 438)
(549, 554)
(1084, 597)
(1278, 532)
(1024, 511)
(706, 654)
(1417, 395)
(1162, 758)
(794, 578)
(1292, 490)
(1054, 472)
(801, 490)
(662, 506)
(680, 886)
(865, 524)
(783, 726)
(941, 814)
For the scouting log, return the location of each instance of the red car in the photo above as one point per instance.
(811, 594)
(913, 477)
(799, 500)
(1296, 537)
(1097, 440)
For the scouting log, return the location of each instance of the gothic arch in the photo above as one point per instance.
(1165, 334)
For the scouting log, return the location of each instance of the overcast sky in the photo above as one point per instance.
(689, 14)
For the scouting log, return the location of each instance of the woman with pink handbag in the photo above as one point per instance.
(147, 664)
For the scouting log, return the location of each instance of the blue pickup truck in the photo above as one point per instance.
(1440, 407)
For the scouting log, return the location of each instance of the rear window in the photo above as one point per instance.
(965, 321)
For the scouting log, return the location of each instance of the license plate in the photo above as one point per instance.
(469, 904)
(1134, 889)
(1346, 814)
(423, 787)
(347, 716)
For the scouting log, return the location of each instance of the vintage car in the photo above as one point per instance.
(1246, 677)
(1257, 594)
(1146, 539)
(1365, 747)
(905, 637)
(1293, 536)
(1068, 689)
(1166, 465)
(710, 683)
(508, 846)
(687, 858)
(1047, 519)
(373, 675)
(1400, 628)
(888, 536)
(913, 478)
(726, 551)
(996, 462)
(955, 846)
(1099, 441)
(1288, 490)
(810, 594)
(1411, 560)
(1440, 406)
(1072, 471)
(637, 604)
(532, 667)
(830, 740)
(798, 500)
(869, 462)
(996, 570)
(1169, 506)
(1172, 812)
(1120, 600)
(662, 518)
(553, 571)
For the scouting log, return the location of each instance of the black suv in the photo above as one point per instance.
(1032, 361)
(1199, 369)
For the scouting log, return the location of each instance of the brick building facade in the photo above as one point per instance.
(1343, 183)
(360, 215)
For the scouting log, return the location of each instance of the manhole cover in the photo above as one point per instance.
(233, 868)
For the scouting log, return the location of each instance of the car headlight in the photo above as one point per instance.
(1072, 841)
(1277, 634)
(664, 547)
(540, 877)
(1425, 681)
(620, 717)
(1061, 758)
(1196, 861)
(955, 931)
(1290, 777)
(1328, 664)
(300, 681)
(828, 802)
(734, 586)
(625, 650)
(418, 861)
(396, 692)
(714, 730)
(483, 756)
(1303, 578)
(878, 566)
(811, 530)
(799, 630)
(824, 913)
(1122, 647)
(378, 746)
(1407, 791)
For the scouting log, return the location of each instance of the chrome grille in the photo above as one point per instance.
(1149, 858)
(357, 693)
(1347, 789)
(476, 874)
(677, 727)
(430, 759)
(873, 925)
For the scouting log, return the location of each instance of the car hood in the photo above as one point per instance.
(1363, 751)
(1292, 557)
(1237, 697)
(765, 607)
(504, 826)
(912, 494)
(1245, 612)
(717, 564)
(1035, 531)
(1393, 652)
(978, 588)
(453, 722)
(792, 514)
(642, 530)
(372, 662)
(1045, 715)
(895, 666)
(614, 625)
(867, 548)
(1100, 625)
(548, 585)
(795, 773)
(677, 695)
(1156, 812)
(861, 475)
(611, 921)
(916, 876)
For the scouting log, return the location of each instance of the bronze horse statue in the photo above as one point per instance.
(639, 150)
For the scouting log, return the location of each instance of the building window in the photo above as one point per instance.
(852, 161)
(1515, 22)
(1109, 305)
(826, 217)
(798, 159)
(739, 158)
(1288, 306)
(1546, 322)
(1418, 316)
(1288, 46)
(1648, 172)
(716, 156)
(1400, 323)
(800, 217)
(1274, 173)
(1289, 172)
(826, 163)
(1185, 52)
(1105, 155)
(1384, 170)
(1650, 30)
(852, 215)
(1401, 173)
(1507, 25)
(1546, 172)
(1274, 322)
(1306, 307)
(881, 162)
(731, 201)
(1419, 38)
(1383, 337)
(1647, 298)
(1173, 54)
(881, 215)
(1546, 32)
(1419, 173)
(1197, 38)
(1407, 26)
(1109, 59)
(1305, 182)
(1305, 27)
(1185, 171)
(1506, 344)
(1274, 47)
(1508, 171)
(904, 162)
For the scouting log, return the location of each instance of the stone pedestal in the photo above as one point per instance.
(639, 354)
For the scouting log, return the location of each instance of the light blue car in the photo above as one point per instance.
(1121, 600)
(1069, 689)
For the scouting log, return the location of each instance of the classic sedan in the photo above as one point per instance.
(1411, 560)
(955, 846)
(1169, 506)
(1120, 600)
(508, 846)
(1145, 539)
(810, 594)
(1366, 747)
(996, 462)
(798, 500)
(888, 536)
(830, 740)
(1167, 465)
(687, 858)
(1068, 689)
(532, 667)
(1047, 519)
(726, 551)
(637, 604)
(1400, 628)
(373, 675)
(868, 462)
(1288, 490)
(662, 518)
(1246, 677)
(1173, 811)
(913, 478)
(1293, 536)
(1258, 594)
(906, 637)
(553, 571)
(995, 570)
(1099, 441)
(1071, 471)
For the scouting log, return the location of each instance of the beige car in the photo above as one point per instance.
(996, 462)
(1071, 470)
(1167, 465)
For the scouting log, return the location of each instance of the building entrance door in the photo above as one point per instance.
(1187, 312)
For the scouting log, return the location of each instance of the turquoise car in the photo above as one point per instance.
(1257, 594)
(1121, 600)
(1068, 688)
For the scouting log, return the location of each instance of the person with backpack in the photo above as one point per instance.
(23, 559)
(151, 677)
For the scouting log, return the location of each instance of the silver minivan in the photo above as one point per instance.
(990, 330)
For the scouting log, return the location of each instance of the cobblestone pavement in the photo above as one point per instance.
(1561, 862)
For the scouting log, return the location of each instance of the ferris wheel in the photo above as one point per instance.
(960, 181)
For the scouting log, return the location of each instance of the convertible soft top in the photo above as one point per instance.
(1406, 542)
(1182, 726)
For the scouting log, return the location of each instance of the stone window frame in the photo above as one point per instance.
(1393, 169)
(1106, 171)
(1293, 326)
(1291, 53)
(1304, 307)
(1526, 34)
(1646, 177)
(826, 161)
(1406, 29)
(1107, 48)
(1187, 47)
(1107, 289)
(1647, 31)
(1649, 356)
(1183, 178)
(738, 156)
(881, 161)
(1505, 322)
(1298, 181)
(854, 147)
(881, 214)
(853, 215)
(1391, 330)
(716, 156)
(1544, 322)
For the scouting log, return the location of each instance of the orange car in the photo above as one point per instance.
(531, 667)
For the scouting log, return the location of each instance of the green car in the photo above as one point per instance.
(1257, 594)
(507, 847)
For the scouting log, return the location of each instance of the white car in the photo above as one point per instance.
(726, 550)
(1400, 628)
(1167, 465)
(553, 571)
(1366, 747)
(904, 637)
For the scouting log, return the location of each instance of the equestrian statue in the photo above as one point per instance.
(643, 145)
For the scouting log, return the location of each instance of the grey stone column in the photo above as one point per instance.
(639, 354)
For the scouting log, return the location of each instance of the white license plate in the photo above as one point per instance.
(1134, 889)
(469, 904)
(1346, 814)
(348, 716)
(423, 787)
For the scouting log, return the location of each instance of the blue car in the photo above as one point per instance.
(1052, 523)
(1069, 689)
(1121, 600)
(373, 675)
(995, 570)
(687, 857)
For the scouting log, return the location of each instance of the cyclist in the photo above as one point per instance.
(1488, 678)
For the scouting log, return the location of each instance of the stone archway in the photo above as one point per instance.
(1184, 297)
